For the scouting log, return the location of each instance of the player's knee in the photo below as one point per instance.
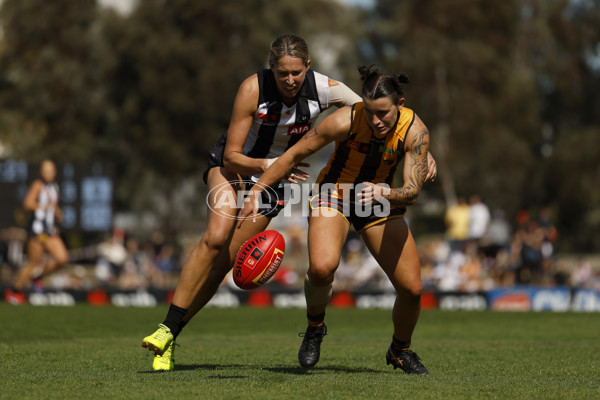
(413, 291)
(62, 259)
(321, 273)
(214, 240)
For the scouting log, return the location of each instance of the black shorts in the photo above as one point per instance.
(215, 156)
(358, 215)
(40, 234)
(273, 200)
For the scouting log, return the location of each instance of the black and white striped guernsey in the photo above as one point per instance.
(43, 219)
(275, 126)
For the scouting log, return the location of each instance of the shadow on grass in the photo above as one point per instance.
(282, 369)
(194, 367)
(330, 368)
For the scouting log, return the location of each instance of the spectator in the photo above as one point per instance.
(531, 239)
(582, 274)
(457, 223)
(165, 266)
(479, 218)
(112, 256)
(498, 234)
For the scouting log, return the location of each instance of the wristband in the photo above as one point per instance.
(270, 161)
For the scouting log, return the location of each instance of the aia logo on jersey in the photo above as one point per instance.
(364, 148)
(298, 129)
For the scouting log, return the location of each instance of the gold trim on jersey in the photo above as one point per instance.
(363, 157)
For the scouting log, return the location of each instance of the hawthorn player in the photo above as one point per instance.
(372, 137)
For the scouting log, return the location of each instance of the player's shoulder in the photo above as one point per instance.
(250, 83)
(417, 124)
(338, 123)
(248, 93)
(37, 184)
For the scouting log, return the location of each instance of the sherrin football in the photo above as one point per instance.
(258, 259)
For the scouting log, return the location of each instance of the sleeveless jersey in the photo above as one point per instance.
(362, 157)
(43, 219)
(277, 127)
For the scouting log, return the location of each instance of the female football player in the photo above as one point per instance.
(356, 188)
(42, 201)
(273, 109)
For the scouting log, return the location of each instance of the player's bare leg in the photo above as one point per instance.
(217, 237)
(35, 252)
(394, 248)
(206, 266)
(224, 262)
(200, 262)
(327, 234)
(58, 251)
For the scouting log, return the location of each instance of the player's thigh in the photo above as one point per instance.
(35, 251)
(245, 232)
(393, 246)
(327, 232)
(57, 249)
(222, 204)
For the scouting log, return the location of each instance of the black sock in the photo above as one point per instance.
(399, 345)
(315, 320)
(174, 319)
(182, 324)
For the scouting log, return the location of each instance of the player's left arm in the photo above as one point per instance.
(416, 166)
(334, 127)
(341, 95)
(58, 212)
(416, 147)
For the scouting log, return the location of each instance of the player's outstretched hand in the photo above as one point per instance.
(250, 208)
(297, 174)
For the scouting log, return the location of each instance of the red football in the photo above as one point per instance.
(258, 259)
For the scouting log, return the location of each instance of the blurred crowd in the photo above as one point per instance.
(480, 250)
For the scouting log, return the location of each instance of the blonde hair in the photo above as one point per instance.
(288, 45)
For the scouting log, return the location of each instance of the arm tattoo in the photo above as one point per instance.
(308, 135)
(416, 173)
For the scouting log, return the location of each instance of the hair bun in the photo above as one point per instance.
(402, 78)
(367, 72)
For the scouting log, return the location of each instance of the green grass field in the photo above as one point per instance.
(86, 352)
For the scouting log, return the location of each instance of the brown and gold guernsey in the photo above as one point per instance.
(363, 157)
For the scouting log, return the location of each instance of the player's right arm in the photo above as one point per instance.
(244, 108)
(30, 202)
(335, 127)
(341, 95)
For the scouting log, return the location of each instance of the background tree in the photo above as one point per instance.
(510, 91)
(50, 95)
(174, 73)
(486, 79)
